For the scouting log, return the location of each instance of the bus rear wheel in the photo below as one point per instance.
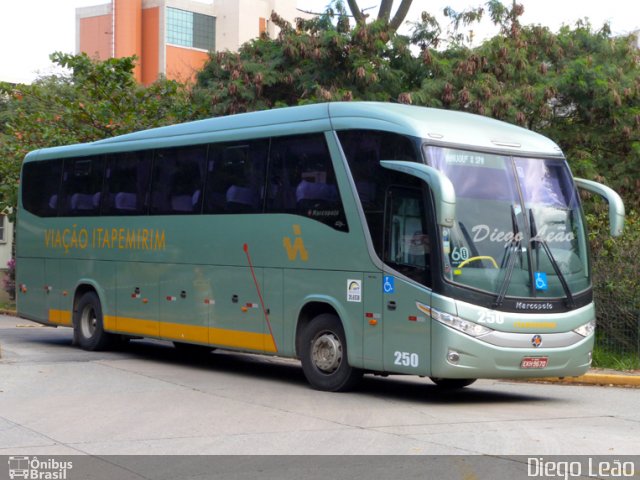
(88, 327)
(324, 355)
(452, 383)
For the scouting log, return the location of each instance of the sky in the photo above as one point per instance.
(32, 29)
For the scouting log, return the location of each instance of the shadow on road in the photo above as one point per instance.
(58, 343)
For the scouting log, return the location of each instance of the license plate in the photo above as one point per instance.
(534, 362)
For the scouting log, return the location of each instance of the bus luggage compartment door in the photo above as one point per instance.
(137, 299)
(184, 312)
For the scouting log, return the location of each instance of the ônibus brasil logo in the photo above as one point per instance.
(35, 469)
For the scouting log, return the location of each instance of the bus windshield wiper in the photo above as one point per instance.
(536, 243)
(510, 259)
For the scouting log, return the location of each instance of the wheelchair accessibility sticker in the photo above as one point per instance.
(388, 285)
(541, 281)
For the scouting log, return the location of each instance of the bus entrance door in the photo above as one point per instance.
(406, 254)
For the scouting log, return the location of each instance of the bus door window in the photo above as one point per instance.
(235, 177)
(407, 245)
(127, 183)
(82, 186)
(178, 179)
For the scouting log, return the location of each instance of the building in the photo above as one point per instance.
(173, 37)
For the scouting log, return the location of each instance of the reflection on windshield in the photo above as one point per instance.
(491, 240)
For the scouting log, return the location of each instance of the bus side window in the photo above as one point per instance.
(235, 177)
(42, 182)
(302, 181)
(178, 180)
(82, 180)
(127, 183)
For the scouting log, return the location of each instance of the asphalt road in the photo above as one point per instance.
(146, 398)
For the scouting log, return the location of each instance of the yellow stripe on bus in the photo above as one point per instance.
(238, 339)
(134, 326)
(191, 333)
(186, 333)
(60, 317)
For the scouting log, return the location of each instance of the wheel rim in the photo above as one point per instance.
(326, 352)
(88, 321)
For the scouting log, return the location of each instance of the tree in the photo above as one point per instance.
(579, 87)
(96, 100)
(384, 14)
(320, 59)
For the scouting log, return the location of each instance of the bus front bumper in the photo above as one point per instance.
(457, 355)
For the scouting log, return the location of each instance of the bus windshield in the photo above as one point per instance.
(519, 230)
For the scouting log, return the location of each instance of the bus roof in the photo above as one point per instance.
(440, 127)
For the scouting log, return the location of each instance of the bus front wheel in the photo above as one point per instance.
(88, 327)
(324, 355)
(452, 383)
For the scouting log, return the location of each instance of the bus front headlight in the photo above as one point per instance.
(586, 329)
(464, 326)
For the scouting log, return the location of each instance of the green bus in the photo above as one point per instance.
(357, 237)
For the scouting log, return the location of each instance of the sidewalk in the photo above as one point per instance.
(600, 376)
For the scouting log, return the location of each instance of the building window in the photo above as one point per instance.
(190, 29)
(3, 235)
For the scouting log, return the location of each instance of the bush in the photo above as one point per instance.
(10, 279)
(616, 282)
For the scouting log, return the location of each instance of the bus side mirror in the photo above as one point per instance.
(441, 186)
(616, 207)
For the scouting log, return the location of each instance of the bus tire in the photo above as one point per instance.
(452, 383)
(324, 355)
(88, 326)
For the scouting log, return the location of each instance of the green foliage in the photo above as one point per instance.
(9, 280)
(318, 60)
(96, 100)
(580, 87)
(615, 280)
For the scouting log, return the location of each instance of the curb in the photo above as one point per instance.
(605, 379)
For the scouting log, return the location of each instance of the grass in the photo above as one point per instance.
(7, 305)
(603, 358)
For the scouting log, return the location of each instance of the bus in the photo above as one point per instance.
(356, 237)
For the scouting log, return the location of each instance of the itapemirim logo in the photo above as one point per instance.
(35, 469)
